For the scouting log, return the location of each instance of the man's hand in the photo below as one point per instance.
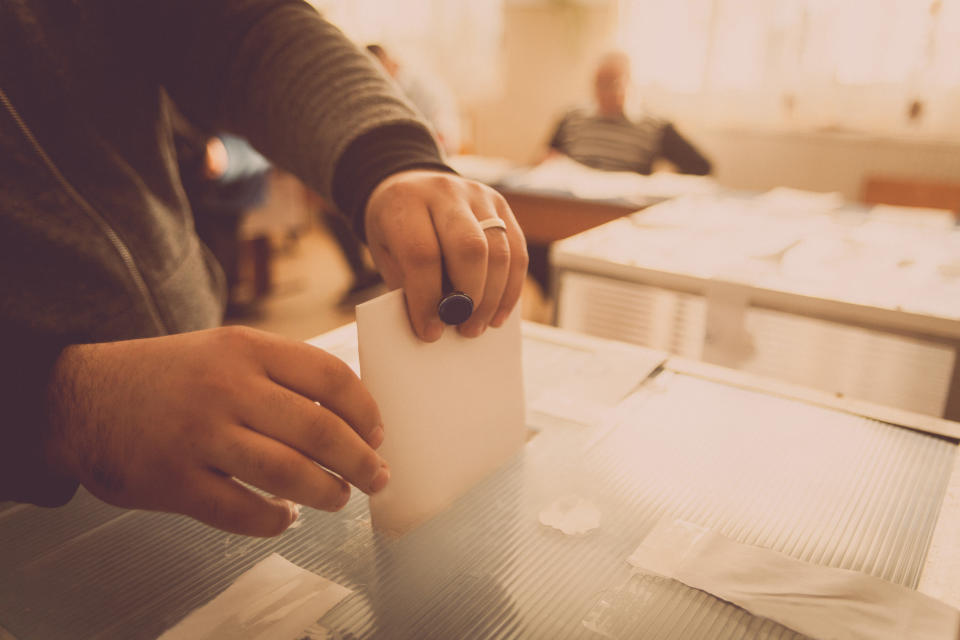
(174, 423)
(415, 217)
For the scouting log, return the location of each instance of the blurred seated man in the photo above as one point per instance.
(605, 137)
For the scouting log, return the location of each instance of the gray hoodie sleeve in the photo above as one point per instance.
(24, 475)
(276, 72)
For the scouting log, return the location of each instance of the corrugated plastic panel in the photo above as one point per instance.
(649, 316)
(888, 369)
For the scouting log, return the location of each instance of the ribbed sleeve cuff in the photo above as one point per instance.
(374, 156)
(24, 474)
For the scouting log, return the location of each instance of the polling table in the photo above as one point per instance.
(857, 301)
(619, 437)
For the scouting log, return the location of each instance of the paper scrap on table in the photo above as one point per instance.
(275, 600)
(572, 515)
(580, 379)
(453, 410)
(490, 170)
(814, 600)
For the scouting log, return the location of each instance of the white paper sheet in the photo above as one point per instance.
(814, 600)
(453, 410)
(342, 343)
(786, 198)
(275, 600)
(486, 169)
(583, 379)
(561, 173)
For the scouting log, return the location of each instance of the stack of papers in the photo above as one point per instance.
(794, 241)
(569, 176)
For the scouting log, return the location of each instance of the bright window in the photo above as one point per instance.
(856, 63)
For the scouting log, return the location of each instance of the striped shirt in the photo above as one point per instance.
(621, 144)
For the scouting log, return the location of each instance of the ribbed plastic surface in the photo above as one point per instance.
(817, 484)
(888, 369)
(649, 316)
(897, 371)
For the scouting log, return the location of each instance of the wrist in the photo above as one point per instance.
(374, 157)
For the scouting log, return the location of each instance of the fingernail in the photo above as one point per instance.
(376, 437)
(499, 319)
(380, 480)
(473, 331)
(434, 330)
(344, 496)
(294, 511)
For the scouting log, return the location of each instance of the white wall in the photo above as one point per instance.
(755, 159)
(548, 54)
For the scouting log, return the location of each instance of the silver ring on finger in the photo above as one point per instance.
(493, 223)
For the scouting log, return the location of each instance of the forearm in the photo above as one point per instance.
(681, 152)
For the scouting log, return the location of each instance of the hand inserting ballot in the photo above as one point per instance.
(422, 223)
(184, 422)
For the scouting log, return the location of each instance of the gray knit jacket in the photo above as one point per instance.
(96, 236)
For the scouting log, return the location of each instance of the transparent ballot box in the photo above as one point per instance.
(619, 437)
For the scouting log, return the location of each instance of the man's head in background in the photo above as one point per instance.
(389, 64)
(610, 83)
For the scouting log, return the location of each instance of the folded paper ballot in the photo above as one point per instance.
(817, 601)
(453, 410)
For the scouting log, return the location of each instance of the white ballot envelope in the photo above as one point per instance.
(453, 410)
